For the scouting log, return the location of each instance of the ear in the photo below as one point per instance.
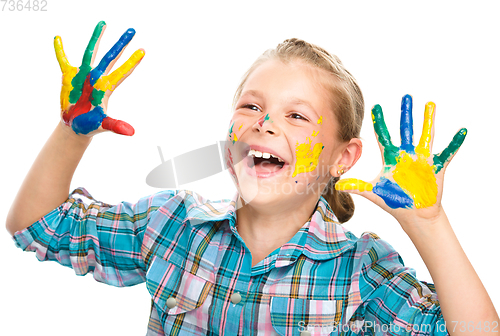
(347, 157)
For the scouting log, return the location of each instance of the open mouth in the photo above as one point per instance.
(264, 163)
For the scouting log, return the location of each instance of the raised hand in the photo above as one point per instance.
(411, 177)
(85, 91)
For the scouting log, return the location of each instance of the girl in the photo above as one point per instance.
(274, 259)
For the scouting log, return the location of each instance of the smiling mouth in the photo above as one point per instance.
(263, 164)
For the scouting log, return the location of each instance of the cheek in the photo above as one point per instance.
(236, 128)
(307, 154)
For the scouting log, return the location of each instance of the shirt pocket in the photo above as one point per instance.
(174, 290)
(305, 317)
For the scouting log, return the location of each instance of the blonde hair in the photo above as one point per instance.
(346, 101)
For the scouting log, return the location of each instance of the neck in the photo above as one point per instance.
(264, 228)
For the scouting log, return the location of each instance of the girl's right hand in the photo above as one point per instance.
(86, 90)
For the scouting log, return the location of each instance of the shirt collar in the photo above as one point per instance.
(325, 238)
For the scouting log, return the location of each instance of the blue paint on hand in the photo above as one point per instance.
(88, 122)
(406, 125)
(392, 194)
(111, 55)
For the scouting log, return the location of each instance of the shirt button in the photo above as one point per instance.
(171, 303)
(236, 298)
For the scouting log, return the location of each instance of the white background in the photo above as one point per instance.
(180, 98)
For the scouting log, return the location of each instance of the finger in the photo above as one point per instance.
(91, 51)
(111, 56)
(424, 146)
(353, 184)
(112, 81)
(61, 55)
(441, 159)
(383, 136)
(406, 124)
(117, 126)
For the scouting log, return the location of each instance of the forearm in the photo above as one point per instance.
(48, 181)
(461, 294)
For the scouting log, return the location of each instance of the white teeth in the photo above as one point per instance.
(264, 155)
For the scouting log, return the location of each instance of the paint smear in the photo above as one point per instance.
(111, 81)
(384, 138)
(353, 184)
(232, 135)
(406, 124)
(263, 119)
(314, 133)
(424, 145)
(448, 152)
(392, 194)
(306, 158)
(417, 178)
(320, 120)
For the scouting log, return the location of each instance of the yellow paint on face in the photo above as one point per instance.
(320, 120)
(416, 177)
(307, 158)
(353, 184)
(424, 145)
(240, 127)
(314, 133)
(110, 81)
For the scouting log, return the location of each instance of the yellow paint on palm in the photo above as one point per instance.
(416, 177)
(307, 158)
(353, 184)
(424, 145)
(110, 81)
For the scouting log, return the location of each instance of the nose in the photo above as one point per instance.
(265, 125)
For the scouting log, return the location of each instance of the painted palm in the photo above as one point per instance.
(411, 176)
(85, 90)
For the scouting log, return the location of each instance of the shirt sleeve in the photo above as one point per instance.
(98, 238)
(394, 302)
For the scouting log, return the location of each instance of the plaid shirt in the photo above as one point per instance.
(199, 271)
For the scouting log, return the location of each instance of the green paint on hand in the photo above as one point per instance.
(443, 157)
(97, 96)
(384, 138)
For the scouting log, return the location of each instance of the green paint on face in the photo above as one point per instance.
(443, 157)
(384, 138)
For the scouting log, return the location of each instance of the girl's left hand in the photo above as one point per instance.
(410, 185)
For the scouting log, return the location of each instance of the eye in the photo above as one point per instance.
(251, 107)
(297, 116)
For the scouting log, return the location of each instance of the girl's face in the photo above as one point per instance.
(282, 137)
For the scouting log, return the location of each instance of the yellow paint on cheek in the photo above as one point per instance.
(353, 184)
(307, 158)
(320, 120)
(240, 127)
(314, 133)
(417, 178)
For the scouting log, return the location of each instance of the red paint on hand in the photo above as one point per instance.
(117, 126)
(82, 106)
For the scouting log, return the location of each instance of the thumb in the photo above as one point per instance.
(117, 126)
(353, 185)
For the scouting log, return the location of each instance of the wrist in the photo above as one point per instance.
(67, 134)
(426, 223)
